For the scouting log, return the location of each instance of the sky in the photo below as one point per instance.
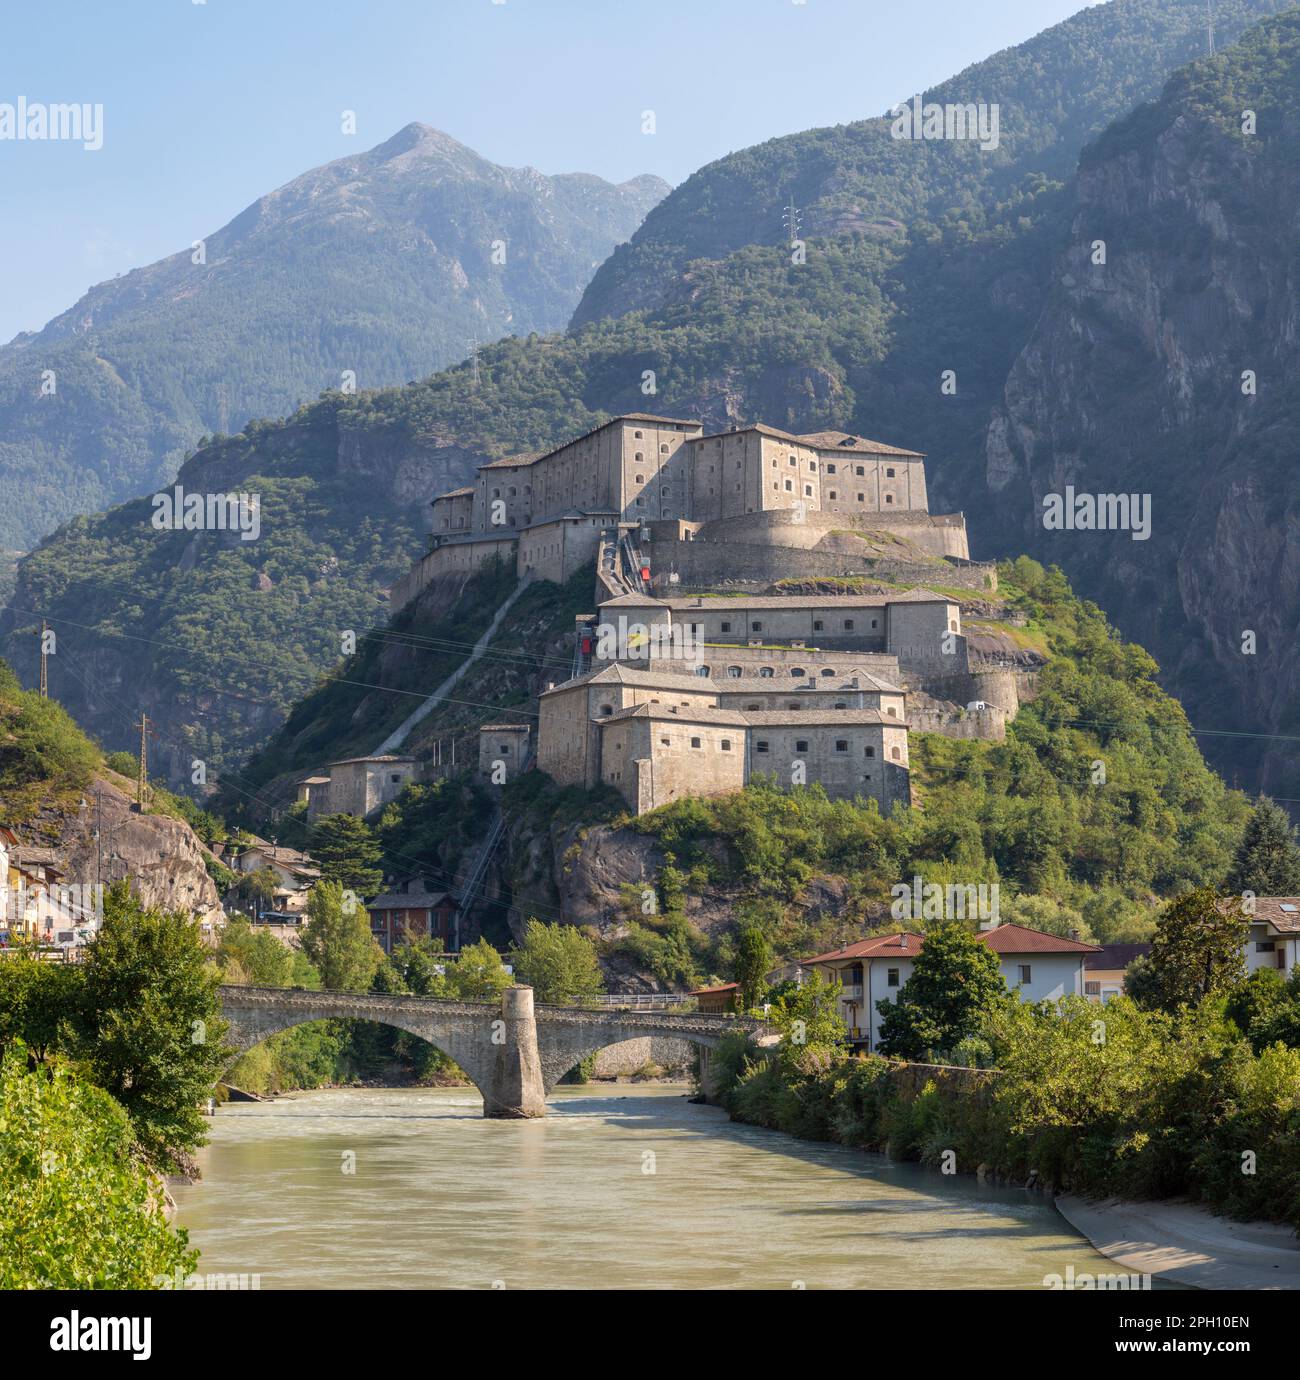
(209, 104)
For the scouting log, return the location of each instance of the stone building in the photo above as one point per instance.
(656, 736)
(547, 510)
(361, 785)
(503, 750)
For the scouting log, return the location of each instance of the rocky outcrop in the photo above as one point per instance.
(1135, 382)
(161, 856)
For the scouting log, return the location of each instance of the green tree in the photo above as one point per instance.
(258, 888)
(252, 954)
(753, 959)
(152, 1032)
(1267, 860)
(78, 1211)
(39, 1004)
(955, 983)
(559, 962)
(346, 851)
(338, 941)
(809, 1020)
(1198, 950)
(478, 975)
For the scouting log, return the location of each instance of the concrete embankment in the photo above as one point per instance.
(1186, 1244)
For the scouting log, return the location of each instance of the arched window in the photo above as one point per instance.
(701, 670)
(798, 671)
(765, 672)
(734, 672)
(896, 753)
(828, 670)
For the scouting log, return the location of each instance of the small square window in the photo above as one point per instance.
(891, 977)
(1025, 973)
(761, 745)
(695, 742)
(841, 745)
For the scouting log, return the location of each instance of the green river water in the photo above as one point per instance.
(620, 1186)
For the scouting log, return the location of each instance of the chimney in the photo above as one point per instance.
(1074, 934)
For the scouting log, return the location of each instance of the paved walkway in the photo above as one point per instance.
(1187, 1244)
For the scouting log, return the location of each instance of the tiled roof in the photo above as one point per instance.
(525, 457)
(709, 991)
(727, 603)
(1115, 956)
(1004, 939)
(466, 492)
(844, 441)
(1274, 910)
(763, 430)
(407, 900)
(505, 728)
(391, 757)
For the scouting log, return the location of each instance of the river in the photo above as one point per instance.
(620, 1186)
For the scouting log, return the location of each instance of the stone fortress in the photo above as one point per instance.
(693, 676)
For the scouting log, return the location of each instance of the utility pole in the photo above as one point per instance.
(473, 345)
(142, 780)
(45, 673)
(1209, 22)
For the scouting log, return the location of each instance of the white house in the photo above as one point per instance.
(1274, 940)
(1043, 967)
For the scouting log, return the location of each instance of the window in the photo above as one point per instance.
(640, 479)
(834, 494)
(859, 470)
(875, 623)
(726, 627)
(511, 491)
(765, 673)
(817, 625)
(701, 670)
(751, 709)
(889, 498)
(639, 456)
(667, 742)
(895, 754)
(862, 498)
(891, 977)
(848, 625)
(793, 705)
(868, 751)
(726, 745)
(1092, 989)
(636, 435)
(606, 708)
(1025, 974)
(395, 778)
(840, 704)
(797, 671)
(756, 627)
(761, 745)
(663, 493)
(828, 670)
(841, 745)
(889, 474)
(812, 465)
(807, 488)
(1264, 946)
(830, 469)
(793, 461)
(801, 745)
(789, 487)
(734, 672)
(695, 742)
(496, 493)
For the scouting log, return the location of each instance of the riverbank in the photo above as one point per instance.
(1185, 1244)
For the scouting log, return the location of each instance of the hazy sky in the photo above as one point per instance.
(208, 104)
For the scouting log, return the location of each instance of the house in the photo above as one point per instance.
(716, 1001)
(411, 914)
(1274, 939)
(1042, 967)
(295, 872)
(359, 785)
(1103, 972)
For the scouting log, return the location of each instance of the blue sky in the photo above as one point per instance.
(209, 105)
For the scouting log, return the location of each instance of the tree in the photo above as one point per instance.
(955, 983)
(753, 959)
(37, 1002)
(347, 851)
(1198, 950)
(78, 1210)
(809, 1020)
(258, 888)
(559, 962)
(338, 941)
(1267, 860)
(152, 1032)
(478, 974)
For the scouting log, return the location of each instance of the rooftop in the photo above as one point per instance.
(819, 714)
(680, 713)
(1003, 939)
(846, 441)
(1281, 912)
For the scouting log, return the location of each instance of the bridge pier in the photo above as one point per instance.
(516, 1088)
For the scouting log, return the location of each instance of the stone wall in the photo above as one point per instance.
(673, 1056)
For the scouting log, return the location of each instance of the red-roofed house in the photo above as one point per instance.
(1274, 940)
(1044, 967)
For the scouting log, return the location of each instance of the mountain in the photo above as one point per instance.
(1053, 93)
(217, 638)
(381, 264)
(1132, 382)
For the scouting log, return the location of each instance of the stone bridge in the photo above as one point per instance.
(513, 1053)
